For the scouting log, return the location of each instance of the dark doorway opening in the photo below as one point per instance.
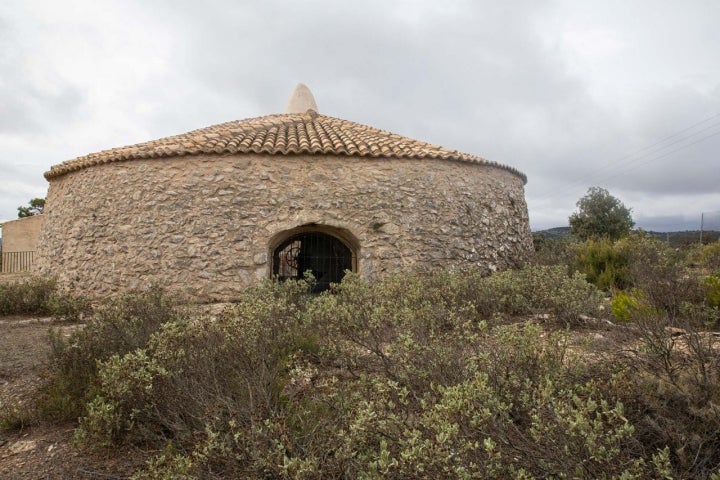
(325, 256)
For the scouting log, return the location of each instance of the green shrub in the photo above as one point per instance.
(412, 376)
(26, 297)
(556, 251)
(518, 412)
(551, 290)
(660, 271)
(122, 325)
(604, 264)
(67, 307)
(125, 398)
(709, 257)
(536, 290)
(628, 305)
(38, 296)
(642, 262)
(189, 375)
(168, 465)
(671, 386)
(380, 380)
(712, 290)
(14, 417)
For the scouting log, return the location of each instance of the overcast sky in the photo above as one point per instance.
(622, 94)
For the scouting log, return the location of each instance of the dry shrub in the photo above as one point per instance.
(404, 378)
(26, 297)
(661, 273)
(413, 376)
(15, 417)
(604, 263)
(39, 296)
(213, 381)
(671, 387)
(708, 257)
(115, 328)
(562, 251)
(712, 290)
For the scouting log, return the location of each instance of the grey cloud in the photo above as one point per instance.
(26, 109)
(479, 77)
(25, 106)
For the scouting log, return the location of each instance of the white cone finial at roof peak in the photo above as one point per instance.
(301, 100)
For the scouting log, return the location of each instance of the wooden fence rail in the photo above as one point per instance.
(13, 262)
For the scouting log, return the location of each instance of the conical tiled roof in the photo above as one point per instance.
(281, 134)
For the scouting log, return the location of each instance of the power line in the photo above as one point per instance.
(600, 170)
(666, 154)
(652, 149)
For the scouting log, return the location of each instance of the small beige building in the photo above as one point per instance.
(208, 212)
(19, 243)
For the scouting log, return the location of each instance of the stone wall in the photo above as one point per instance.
(21, 235)
(19, 243)
(205, 225)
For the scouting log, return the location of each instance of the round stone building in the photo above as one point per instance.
(208, 212)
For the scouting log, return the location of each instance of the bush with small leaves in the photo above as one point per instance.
(556, 251)
(168, 466)
(220, 377)
(630, 304)
(38, 296)
(122, 325)
(15, 417)
(411, 376)
(712, 290)
(537, 290)
(671, 388)
(520, 411)
(66, 307)
(124, 401)
(660, 271)
(604, 263)
(709, 257)
(26, 297)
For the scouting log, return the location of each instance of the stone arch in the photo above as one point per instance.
(325, 251)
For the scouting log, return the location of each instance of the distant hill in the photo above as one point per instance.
(557, 232)
(688, 237)
(676, 239)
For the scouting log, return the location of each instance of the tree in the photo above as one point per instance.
(36, 208)
(600, 215)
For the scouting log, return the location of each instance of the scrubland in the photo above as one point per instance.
(597, 360)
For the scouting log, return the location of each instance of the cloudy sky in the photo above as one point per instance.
(620, 94)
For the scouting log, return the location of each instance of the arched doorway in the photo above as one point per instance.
(324, 255)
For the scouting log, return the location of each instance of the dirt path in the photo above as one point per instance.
(41, 450)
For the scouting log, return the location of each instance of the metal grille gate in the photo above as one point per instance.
(323, 255)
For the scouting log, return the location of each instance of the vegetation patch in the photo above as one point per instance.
(453, 374)
(37, 296)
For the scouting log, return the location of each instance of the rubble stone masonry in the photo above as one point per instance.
(205, 225)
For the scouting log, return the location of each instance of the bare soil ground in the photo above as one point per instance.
(40, 450)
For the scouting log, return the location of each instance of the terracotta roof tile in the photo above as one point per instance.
(281, 134)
